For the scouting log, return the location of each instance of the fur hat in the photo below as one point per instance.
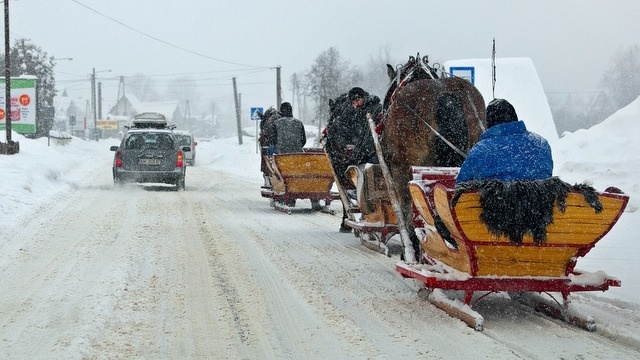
(286, 109)
(356, 93)
(500, 111)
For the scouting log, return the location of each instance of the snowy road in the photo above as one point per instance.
(214, 272)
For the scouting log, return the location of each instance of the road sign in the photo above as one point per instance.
(254, 113)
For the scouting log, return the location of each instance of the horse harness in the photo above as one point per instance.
(431, 73)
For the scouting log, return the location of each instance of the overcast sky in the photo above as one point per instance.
(569, 41)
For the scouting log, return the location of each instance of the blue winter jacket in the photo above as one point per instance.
(508, 152)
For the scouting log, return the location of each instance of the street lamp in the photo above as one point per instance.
(93, 101)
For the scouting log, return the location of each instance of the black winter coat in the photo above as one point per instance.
(289, 135)
(365, 149)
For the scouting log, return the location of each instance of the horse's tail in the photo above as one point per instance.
(453, 127)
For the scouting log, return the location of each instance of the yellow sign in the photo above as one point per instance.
(107, 124)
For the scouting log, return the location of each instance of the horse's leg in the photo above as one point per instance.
(343, 227)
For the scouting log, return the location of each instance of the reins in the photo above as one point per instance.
(455, 148)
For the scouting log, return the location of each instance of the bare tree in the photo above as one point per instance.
(622, 81)
(182, 88)
(376, 80)
(295, 90)
(326, 80)
(142, 87)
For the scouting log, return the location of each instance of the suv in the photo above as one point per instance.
(149, 153)
(185, 138)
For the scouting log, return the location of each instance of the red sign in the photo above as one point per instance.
(24, 99)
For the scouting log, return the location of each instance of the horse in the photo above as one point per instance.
(265, 139)
(429, 119)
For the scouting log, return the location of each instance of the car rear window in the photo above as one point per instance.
(157, 141)
(184, 140)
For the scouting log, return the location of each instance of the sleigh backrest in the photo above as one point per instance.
(572, 234)
(457, 236)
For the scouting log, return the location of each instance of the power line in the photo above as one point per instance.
(166, 42)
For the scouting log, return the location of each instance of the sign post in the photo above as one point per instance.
(255, 111)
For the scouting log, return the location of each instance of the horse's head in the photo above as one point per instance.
(416, 68)
(339, 107)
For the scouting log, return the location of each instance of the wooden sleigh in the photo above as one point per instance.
(375, 221)
(475, 260)
(305, 175)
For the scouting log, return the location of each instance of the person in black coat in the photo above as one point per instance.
(364, 150)
(289, 134)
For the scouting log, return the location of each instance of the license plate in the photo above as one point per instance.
(150, 162)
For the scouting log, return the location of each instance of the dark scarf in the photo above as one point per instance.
(517, 208)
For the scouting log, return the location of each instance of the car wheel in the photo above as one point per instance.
(180, 184)
(117, 182)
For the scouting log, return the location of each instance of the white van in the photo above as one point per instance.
(185, 138)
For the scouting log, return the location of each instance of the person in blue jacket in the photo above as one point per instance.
(507, 151)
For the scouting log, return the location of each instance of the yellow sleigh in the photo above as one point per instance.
(376, 222)
(470, 258)
(305, 175)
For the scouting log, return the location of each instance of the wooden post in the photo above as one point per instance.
(407, 245)
(238, 120)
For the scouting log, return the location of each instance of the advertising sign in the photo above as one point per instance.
(106, 124)
(23, 105)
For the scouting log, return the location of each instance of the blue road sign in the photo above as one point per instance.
(254, 113)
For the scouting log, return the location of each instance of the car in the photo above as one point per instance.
(149, 152)
(186, 139)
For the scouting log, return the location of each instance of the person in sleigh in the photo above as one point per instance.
(507, 150)
(512, 168)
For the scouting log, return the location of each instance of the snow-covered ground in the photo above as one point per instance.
(214, 272)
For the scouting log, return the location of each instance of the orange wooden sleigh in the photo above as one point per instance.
(475, 260)
(305, 175)
(375, 221)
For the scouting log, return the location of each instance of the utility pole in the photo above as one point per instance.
(187, 114)
(238, 121)
(278, 88)
(93, 104)
(84, 120)
(213, 118)
(100, 100)
(10, 147)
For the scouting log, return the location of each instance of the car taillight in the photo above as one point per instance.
(180, 160)
(118, 159)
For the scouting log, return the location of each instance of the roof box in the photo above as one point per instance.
(149, 120)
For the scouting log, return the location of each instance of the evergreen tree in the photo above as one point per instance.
(28, 59)
(73, 109)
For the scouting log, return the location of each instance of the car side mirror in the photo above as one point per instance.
(195, 143)
(113, 148)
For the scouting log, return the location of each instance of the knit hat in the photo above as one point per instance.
(500, 111)
(356, 93)
(286, 109)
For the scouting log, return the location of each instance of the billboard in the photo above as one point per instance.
(23, 105)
